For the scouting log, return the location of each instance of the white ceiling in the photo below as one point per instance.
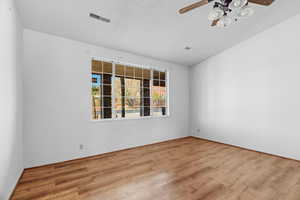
(149, 27)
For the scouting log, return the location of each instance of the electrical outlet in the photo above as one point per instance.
(81, 146)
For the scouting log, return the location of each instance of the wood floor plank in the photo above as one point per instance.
(182, 169)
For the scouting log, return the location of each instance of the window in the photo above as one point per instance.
(122, 91)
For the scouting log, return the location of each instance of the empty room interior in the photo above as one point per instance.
(150, 100)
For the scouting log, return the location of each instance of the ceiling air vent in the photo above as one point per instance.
(92, 15)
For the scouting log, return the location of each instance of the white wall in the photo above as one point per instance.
(56, 103)
(11, 159)
(249, 95)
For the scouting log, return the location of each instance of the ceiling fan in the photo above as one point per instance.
(225, 12)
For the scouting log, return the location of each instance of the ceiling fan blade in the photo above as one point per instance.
(194, 5)
(214, 23)
(262, 2)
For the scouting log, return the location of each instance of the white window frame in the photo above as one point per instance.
(114, 63)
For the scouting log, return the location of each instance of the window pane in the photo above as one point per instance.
(96, 80)
(162, 83)
(156, 96)
(131, 103)
(164, 110)
(107, 102)
(96, 66)
(136, 102)
(118, 103)
(146, 83)
(162, 102)
(132, 92)
(156, 75)
(107, 67)
(158, 111)
(133, 113)
(159, 97)
(96, 109)
(146, 111)
(132, 88)
(146, 102)
(155, 82)
(118, 87)
(118, 113)
(107, 113)
(96, 96)
(129, 71)
(146, 92)
(162, 76)
(146, 73)
(120, 70)
(132, 83)
(138, 72)
(107, 78)
(163, 91)
(107, 90)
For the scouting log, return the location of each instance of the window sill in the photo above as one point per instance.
(121, 119)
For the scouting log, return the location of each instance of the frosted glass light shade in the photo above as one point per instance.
(216, 13)
(237, 4)
(224, 21)
(245, 12)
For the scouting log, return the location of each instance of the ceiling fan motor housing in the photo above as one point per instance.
(226, 2)
(224, 5)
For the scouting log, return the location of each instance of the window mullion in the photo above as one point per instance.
(167, 103)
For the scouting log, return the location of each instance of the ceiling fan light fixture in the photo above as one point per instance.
(244, 12)
(224, 21)
(215, 14)
(237, 4)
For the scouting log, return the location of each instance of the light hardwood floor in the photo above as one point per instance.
(183, 169)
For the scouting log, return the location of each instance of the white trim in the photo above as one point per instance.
(114, 62)
(99, 58)
(135, 118)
